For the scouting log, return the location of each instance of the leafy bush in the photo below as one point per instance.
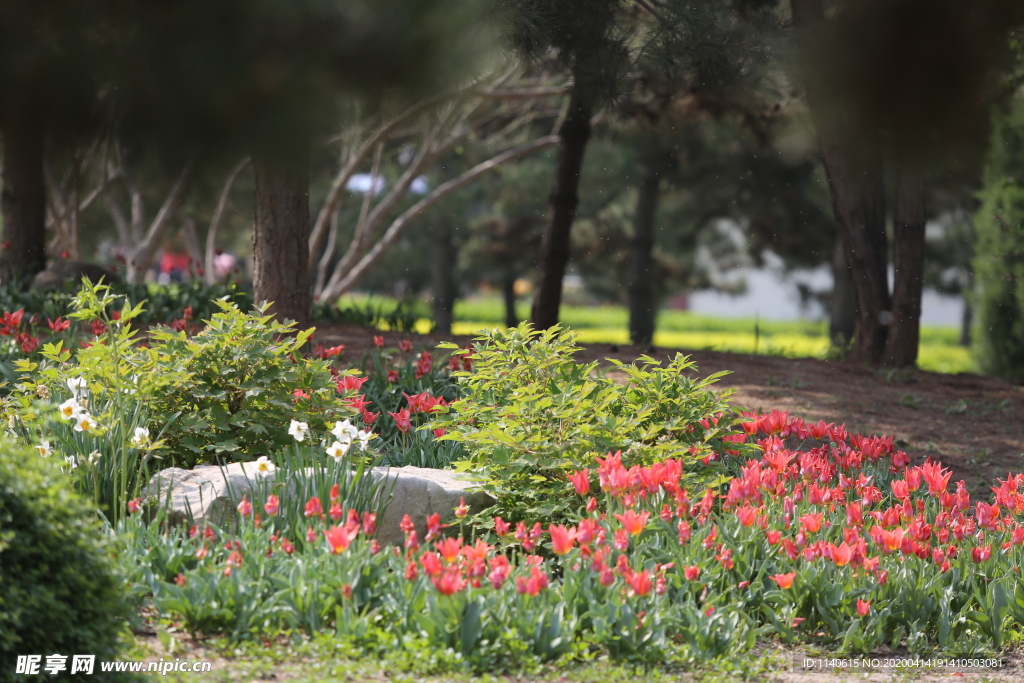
(226, 393)
(237, 396)
(998, 266)
(58, 592)
(530, 415)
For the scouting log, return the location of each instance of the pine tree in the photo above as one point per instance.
(999, 263)
(588, 39)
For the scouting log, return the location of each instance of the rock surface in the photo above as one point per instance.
(211, 494)
(58, 273)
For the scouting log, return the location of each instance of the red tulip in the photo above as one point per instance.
(581, 481)
(632, 522)
(340, 537)
(449, 549)
(402, 420)
(431, 563)
(314, 508)
(272, 506)
(449, 582)
(784, 580)
(562, 539)
(639, 582)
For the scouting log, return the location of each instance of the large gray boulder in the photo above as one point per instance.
(58, 273)
(211, 495)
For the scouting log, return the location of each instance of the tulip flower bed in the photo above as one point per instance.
(646, 521)
(826, 537)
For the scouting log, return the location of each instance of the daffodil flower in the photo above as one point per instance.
(44, 449)
(299, 430)
(264, 467)
(364, 438)
(345, 431)
(337, 450)
(78, 386)
(70, 408)
(85, 423)
(140, 439)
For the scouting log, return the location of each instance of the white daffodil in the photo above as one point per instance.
(78, 386)
(364, 438)
(264, 467)
(345, 431)
(70, 409)
(337, 450)
(85, 423)
(299, 430)
(72, 461)
(140, 439)
(94, 457)
(44, 449)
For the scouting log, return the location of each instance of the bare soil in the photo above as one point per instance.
(971, 423)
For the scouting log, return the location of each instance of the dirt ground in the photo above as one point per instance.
(973, 424)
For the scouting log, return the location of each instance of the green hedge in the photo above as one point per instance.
(58, 592)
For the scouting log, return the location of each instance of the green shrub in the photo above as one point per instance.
(238, 396)
(58, 593)
(530, 415)
(226, 393)
(999, 264)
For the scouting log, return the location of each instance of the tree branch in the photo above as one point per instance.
(340, 284)
(142, 255)
(211, 234)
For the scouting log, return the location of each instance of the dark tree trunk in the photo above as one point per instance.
(554, 248)
(24, 197)
(843, 313)
(854, 170)
(443, 277)
(508, 294)
(908, 259)
(642, 305)
(858, 200)
(967, 320)
(281, 239)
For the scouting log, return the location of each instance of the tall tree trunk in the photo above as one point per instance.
(642, 306)
(443, 277)
(908, 259)
(281, 239)
(554, 248)
(843, 313)
(24, 197)
(855, 180)
(854, 170)
(508, 295)
(967, 320)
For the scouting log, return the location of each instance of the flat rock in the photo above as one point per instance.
(211, 494)
(58, 273)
